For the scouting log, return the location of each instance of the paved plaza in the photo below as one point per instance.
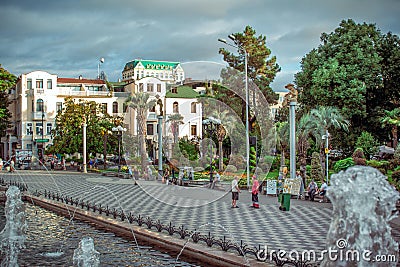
(304, 227)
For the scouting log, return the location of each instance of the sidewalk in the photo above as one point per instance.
(198, 208)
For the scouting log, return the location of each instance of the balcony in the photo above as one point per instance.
(86, 93)
(37, 116)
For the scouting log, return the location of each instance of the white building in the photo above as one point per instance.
(166, 71)
(39, 95)
(35, 101)
(183, 100)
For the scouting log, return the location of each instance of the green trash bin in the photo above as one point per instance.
(285, 202)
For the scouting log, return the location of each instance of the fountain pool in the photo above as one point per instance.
(48, 233)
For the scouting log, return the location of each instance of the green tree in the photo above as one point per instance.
(303, 131)
(392, 119)
(68, 135)
(175, 120)
(262, 67)
(325, 119)
(141, 103)
(7, 81)
(282, 138)
(347, 70)
(316, 168)
(368, 144)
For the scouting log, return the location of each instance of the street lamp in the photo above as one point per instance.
(160, 138)
(326, 138)
(210, 125)
(119, 130)
(238, 46)
(84, 125)
(98, 67)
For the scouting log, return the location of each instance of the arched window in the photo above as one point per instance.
(193, 107)
(39, 105)
(175, 107)
(115, 107)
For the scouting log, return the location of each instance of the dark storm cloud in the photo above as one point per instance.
(68, 37)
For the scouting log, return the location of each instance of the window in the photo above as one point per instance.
(174, 90)
(39, 83)
(140, 87)
(39, 128)
(141, 74)
(150, 87)
(104, 108)
(193, 107)
(29, 146)
(150, 129)
(29, 130)
(49, 127)
(152, 109)
(49, 84)
(159, 88)
(33, 105)
(193, 129)
(175, 107)
(59, 107)
(29, 84)
(39, 105)
(115, 107)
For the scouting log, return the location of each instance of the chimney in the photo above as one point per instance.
(80, 77)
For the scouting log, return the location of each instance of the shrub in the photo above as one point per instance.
(396, 154)
(316, 168)
(343, 164)
(231, 168)
(367, 143)
(359, 157)
(381, 165)
(396, 176)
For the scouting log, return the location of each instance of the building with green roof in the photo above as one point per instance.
(166, 71)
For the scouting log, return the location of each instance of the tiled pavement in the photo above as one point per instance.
(304, 227)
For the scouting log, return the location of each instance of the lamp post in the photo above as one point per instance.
(237, 46)
(292, 133)
(210, 125)
(326, 138)
(119, 130)
(84, 144)
(98, 67)
(160, 138)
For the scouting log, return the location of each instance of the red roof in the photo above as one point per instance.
(79, 81)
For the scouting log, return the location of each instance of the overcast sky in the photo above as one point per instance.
(68, 37)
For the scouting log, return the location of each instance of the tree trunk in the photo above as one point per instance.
(105, 152)
(395, 137)
(221, 156)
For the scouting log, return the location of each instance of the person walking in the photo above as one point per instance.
(254, 192)
(1, 164)
(235, 192)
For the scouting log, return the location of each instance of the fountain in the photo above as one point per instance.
(85, 255)
(360, 234)
(12, 237)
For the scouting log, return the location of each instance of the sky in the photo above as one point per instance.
(68, 37)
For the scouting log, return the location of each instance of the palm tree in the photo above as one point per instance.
(174, 120)
(392, 118)
(304, 129)
(141, 103)
(282, 138)
(227, 123)
(323, 119)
